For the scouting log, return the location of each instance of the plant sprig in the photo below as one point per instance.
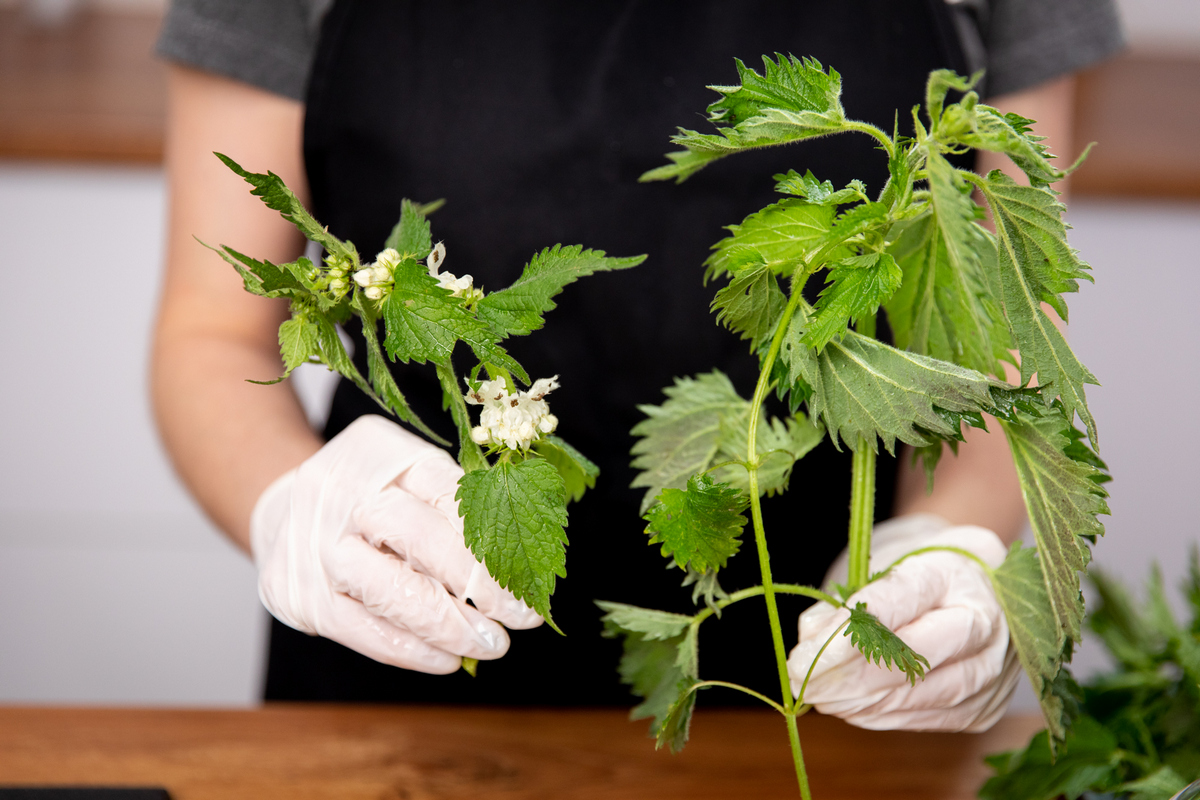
(514, 504)
(960, 300)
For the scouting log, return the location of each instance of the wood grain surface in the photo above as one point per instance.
(421, 753)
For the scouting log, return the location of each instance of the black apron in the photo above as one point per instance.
(534, 121)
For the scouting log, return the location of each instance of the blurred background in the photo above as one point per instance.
(114, 589)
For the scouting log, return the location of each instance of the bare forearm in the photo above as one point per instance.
(228, 439)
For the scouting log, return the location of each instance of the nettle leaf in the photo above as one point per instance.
(412, 235)
(1033, 626)
(944, 308)
(793, 99)
(424, 321)
(299, 340)
(659, 665)
(1063, 500)
(856, 288)
(578, 472)
(388, 393)
(261, 277)
(860, 220)
(705, 585)
(1162, 784)
(780, 445)
(679, 438)
(751, 304)
(514, 516)
(700, 525)
(518, 309)
(862, 388)
(470, 454)
(271, 189)
(881, 646)
(782, 234)
(807, 186)
(985, 128)
(704, 421)
(1036, 265)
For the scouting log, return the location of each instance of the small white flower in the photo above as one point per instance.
(542, 387)
(389, 259)
(480, 435)
(373, 292)
(436, 256)
(337, 283)
(363, 277)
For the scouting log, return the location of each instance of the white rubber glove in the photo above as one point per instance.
(943, 607)
(362, 544)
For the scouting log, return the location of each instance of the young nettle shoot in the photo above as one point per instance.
(960, 300)
(513, 496)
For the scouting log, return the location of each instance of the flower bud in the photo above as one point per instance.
(363, 278)
(436, 256)
(373, 292)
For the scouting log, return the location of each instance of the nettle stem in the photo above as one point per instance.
(760, 539)
(862, 496)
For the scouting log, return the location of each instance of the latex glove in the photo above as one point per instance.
(943, 607)
(362, 544)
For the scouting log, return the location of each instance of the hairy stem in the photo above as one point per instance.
(871, 130)
(942, 548)
(740, 688)
(756, 591)
(862, 514)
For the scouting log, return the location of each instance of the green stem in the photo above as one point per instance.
(760, 536)
(871, 130)
(798, 756)
(470, 456)
(740, 688)
(756, 591)
(940, 548)
(862, 514)
(862, 495)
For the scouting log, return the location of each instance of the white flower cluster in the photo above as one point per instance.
(380, 275)
(377, 279)
(514, 421)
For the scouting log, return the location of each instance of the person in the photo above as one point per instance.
(534, 121)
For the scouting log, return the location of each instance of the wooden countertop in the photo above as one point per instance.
(304, 752)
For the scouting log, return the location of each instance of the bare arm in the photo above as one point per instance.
(980, 486)
(227, 438)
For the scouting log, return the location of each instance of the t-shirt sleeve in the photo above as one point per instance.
(266, 43)
(1031, 41)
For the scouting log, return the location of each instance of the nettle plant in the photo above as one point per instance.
(960, 300)
(518, 477)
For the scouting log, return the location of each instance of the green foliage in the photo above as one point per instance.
(1033, 628)
(514, 516)
(299, 340)
(782, 236)
(751, 304)
(793, 99)
(699, 526)
(1135, 731)
(659, 665)
(822, 193)
(704, 423)
(945, 307)
(578, 472)
(518, 310)
(271, 189)
(1036, 265)
(1063, 499)
(412, 235)
(858, 286)
(880, 646)
(862, 388)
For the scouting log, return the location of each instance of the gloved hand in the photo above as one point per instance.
(943, 607)
(362, 544)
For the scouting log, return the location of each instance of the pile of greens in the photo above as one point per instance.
(1133, 732)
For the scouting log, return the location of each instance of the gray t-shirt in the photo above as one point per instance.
(271, 43)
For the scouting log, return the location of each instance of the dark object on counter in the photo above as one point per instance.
(81, 793)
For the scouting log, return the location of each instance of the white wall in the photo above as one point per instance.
(113, 587)
(1163, 25)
